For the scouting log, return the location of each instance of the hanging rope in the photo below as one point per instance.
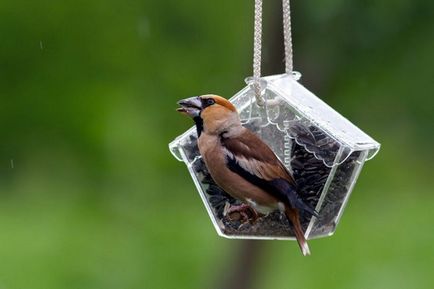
(287, 36)
(257, 45)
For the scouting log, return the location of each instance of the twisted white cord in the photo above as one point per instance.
(257, 46)
(287, 35)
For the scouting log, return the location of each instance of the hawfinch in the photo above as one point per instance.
(242, 164)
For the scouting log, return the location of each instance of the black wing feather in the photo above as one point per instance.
(279, 188)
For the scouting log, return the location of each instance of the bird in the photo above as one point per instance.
(242, 164)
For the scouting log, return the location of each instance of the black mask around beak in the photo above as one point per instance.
(190, 106)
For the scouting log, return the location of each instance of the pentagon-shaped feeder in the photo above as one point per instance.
(323, 150)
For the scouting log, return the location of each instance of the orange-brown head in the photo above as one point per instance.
(213, 112)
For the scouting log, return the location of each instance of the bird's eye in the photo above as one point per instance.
(210, 101)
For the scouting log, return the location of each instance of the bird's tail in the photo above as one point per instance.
(293, 216)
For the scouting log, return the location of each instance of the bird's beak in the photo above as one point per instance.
(190, 106)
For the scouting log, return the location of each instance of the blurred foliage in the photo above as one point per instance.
(90, 196)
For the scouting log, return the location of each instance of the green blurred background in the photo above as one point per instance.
(90, 196)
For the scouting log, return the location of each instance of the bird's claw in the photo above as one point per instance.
(243, 213)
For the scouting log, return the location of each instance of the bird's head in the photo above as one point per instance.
(214, 112)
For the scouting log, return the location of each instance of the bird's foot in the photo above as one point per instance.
(243, 213)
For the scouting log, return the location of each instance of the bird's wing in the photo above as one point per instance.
(256, 157)
(248, 156)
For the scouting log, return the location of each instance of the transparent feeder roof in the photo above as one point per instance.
(321, 114)
(289, 101)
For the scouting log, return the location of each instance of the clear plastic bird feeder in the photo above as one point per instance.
(323, 150)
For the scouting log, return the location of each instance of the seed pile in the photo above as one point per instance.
(336, 195)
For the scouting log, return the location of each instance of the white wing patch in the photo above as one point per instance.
(252, 166)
